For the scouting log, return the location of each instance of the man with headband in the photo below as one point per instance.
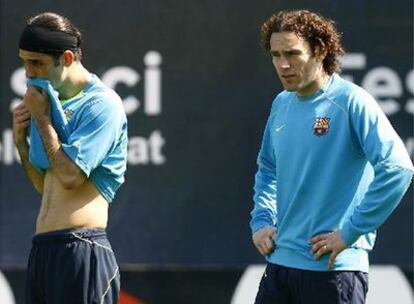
(71, 260)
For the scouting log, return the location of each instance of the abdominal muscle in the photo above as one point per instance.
(83, 207)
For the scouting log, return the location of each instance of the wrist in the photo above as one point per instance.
(23, 151)
(21, 145)
(43, 119)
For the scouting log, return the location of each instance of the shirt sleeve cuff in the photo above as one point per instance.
(259, 224)
(73, 152)
(349, 234)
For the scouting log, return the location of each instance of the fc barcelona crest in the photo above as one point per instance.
(321, 126)
(68, 114)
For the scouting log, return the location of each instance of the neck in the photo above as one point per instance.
(77, 78)
(315, 85)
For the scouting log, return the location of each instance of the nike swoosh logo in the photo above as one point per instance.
(279, 128)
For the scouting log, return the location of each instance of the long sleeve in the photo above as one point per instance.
(264, 211)
(380, 144)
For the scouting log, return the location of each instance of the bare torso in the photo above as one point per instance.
(83, 207)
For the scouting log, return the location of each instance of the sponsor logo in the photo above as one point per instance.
(279, 128)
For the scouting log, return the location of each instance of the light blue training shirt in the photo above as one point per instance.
(328, 162)
(93, 133)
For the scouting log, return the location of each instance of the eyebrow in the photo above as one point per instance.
(30, 60)
(289, 51)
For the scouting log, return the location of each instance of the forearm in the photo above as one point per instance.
(68, 173)
(384, 194)
(264, 211)
(36, 177)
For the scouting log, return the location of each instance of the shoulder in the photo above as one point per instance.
(348, 94)
(98, 91)
(281, 100)
(101, 99)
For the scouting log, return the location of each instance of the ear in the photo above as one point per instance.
(68, 57)
(320, 53)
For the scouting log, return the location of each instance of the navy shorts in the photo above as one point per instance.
(72, 266)
(284, 285)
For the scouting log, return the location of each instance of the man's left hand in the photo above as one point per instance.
(37, 102)
(327, 243)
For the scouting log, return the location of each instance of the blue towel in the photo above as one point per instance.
(37, 153)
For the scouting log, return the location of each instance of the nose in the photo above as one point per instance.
(29, 72)
(284, 62)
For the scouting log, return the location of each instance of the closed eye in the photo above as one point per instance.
(35, 62)
(275, 54)
(293, 53)
(286, 53)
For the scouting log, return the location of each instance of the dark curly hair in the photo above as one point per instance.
(317, 30)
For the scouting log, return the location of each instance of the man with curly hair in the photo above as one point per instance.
(331, 169)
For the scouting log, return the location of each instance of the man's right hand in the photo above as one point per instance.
(263, 239)
(21, 121)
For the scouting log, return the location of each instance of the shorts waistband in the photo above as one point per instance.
(69, 235)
